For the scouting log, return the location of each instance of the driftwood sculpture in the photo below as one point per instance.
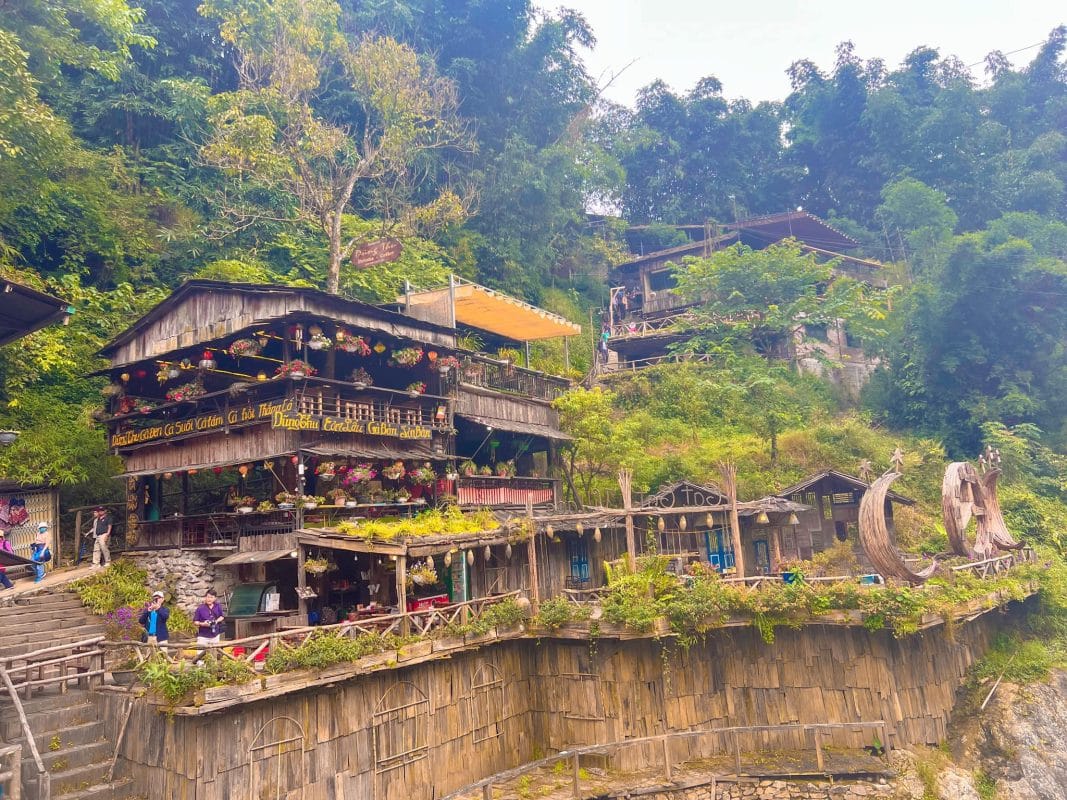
(965, 495)
(875, 538)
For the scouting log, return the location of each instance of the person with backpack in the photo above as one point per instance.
(40, 553)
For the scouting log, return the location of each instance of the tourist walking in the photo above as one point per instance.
(101, 533)
(154, 620)
(5, 545)
(208, 619)
(40, 552)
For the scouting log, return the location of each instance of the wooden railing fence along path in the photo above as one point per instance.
(251, 648)
(11, 772)
(813, 733)
(998, 565)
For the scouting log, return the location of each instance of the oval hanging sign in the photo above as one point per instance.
(380, 251)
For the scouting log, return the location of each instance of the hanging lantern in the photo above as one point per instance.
(192, 472)
(125, 377)
(710, 520)
(682, 524)
(379, 348)
(173, 372)
(660, 525)
(141, 373)
(168, 475)
(762, 518)
(315, 330)
(186, 364)
(243, 469)
(578, 527)
(217, 470)
(298, 333)
(488, 553)
(470, 558)
(597, 535)
(448, 558)
(207, 362)
(295, 459)
(261, 376)
(550, 532)
(431, 356)
(507, 551)
(794, 519)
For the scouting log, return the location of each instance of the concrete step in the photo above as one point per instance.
(69, 736)
(77, 779)
(120, 789)
(43, 638)
(68, 758)
(42, 602)
(20, 626)
(45, 721)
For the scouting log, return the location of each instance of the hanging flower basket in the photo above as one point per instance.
(424, 574)
(317, 566)
(361, 473)
(243, 347)
(416, 388)
(394, 471)
(361, 379)
(350, 343)
(295, 369)
(327, 470)
(408, 356)
(187, 391)
(447, 363)
(319, 341)
(423, 476)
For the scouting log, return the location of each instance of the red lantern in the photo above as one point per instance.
(217, 470)
(295, 460)
(207, 354)
(142, 373)
(432, 356)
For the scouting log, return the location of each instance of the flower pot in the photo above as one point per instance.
(310, 506)
(124, 677)
(351, 504)
(413, 394)
(297, 375)
(789, 577)
(285, 506)
(359, 385)
(244, 509)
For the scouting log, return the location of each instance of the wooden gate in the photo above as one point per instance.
(276, 766)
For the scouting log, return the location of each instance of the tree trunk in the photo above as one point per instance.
(333, 276)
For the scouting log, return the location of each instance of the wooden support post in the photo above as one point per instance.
(301, 583)
(714, 788)
(487, 792)
(567, 353)
(729, 484)
(885, 740)
(531, 559)
(402, 592)
(816, 736)
(626, 486)
(77, 535)
(667, 767)
(576, 768)
(737, 753)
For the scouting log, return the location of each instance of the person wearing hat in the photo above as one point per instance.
(5, 545)
(154, 620)
(39, 551)
(101, 533)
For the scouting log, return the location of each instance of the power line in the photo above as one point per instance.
(1009, 53)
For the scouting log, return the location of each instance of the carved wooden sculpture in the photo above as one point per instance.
(965, 495)
(876, 540)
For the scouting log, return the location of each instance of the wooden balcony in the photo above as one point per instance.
(503, 376)
(493, 492)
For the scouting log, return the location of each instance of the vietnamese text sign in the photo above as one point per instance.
(307, 422)
(380, 251)
(202, 423)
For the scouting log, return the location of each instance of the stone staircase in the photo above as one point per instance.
(67, 722)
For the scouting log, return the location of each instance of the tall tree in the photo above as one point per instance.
(294, 153)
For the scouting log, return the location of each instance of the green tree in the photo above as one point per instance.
(292, 152)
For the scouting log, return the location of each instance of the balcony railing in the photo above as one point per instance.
(507, 492)
(502, 376)
(352, 405)
(222, 529)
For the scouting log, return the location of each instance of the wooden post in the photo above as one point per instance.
(487, 792)
(737, 753)
(44, 779)
(729, 484)
(301, 583)
(531, 558)
(77, 535)
(576, 767)
(819, 762)
(567, 353)
(667, 769)
(402, 592)
(626, 486)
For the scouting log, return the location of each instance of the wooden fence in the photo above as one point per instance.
(813, 733)
(998, 565)
(251, 648)
(11, 772)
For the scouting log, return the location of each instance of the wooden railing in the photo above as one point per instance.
(636, 327)
(251, 648)
(11, 771)
(670, 358)
(812, 733)
(504, 376)
(359, 407)
(998, 565)
(495, 492)
(82, 661)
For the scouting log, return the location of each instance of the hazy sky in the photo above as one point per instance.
(749, 45)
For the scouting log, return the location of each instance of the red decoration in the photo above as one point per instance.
(207, 354)
(142, 373)
(295, 460)
(217, 470)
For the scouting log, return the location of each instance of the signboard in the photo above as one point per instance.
(306, 422)
(380, 251)
(202, 423)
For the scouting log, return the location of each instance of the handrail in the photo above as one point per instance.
(11, 775)
(44, 780)
(815, 728)
(422, 622)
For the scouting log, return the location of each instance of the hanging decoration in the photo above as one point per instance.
(661, 525)
(261, 376)
(682, 524)
(207, 361)
(217, 470)
(317, 341)
(350, 343)
(597, 535)
(470, 558)
(448, 558)
(243, 470)
(187, 391)
(125, 377)
(507, 551)
(379, 348)
(488, 553)
(762, 518)
(407, 356)
(710, 520)
(168, 475)
(240, 348)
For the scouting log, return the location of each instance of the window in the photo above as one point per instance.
(401, 720)
(661, 280)
(578, 552)
(816, 331)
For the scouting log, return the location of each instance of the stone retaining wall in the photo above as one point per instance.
(184, 574)
(780, 790)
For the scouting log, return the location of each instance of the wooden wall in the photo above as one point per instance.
(488, 404)
(543, 695)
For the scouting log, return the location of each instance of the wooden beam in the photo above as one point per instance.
(402, 591)
(729, 485)
(301, 582)
(626, 485)
(531, 559)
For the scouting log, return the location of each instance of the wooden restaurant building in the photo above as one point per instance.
(249, 415)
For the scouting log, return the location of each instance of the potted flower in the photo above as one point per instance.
(407, 356)
(337, 496)
(361, 379)
(265, 507)
(416, 388)
(316, 566)
(295, 369)
(187, 391)
(423, 574)
(121, 625)
(486, 470)
(506, 469)
(310, 501)
(246, 504)
(450, 472)
(469, 468)
(361, 473)
(319, 341)
(423, 476)
(394, 471)
(447, 363)
(327, 470)
(243, 347)
(286, 499)
(402, 495)
(790, 572)
(350, 343)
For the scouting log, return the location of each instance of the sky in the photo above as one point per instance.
(749, 45)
